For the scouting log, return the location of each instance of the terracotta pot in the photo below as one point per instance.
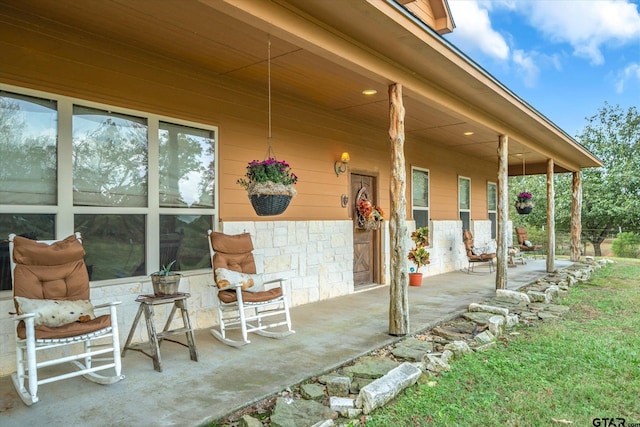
(415, 279)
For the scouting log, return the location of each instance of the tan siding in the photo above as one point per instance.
(308, 138)
(445, 167)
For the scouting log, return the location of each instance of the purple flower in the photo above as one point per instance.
(524, 196)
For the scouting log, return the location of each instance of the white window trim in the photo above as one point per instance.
(459, 208)
(493, 211)
(65, 211)
(421, 208)
(489, 183)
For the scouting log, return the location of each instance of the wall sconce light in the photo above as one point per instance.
(341, 165)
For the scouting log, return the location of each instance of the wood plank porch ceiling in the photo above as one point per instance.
(204, 37)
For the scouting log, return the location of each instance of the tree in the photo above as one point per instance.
(610, 194)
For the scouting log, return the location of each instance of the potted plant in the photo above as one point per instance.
(165, 282)
(419, 254)
(523, 204)
(269, 184)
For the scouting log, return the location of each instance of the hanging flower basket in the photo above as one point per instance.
(270, 204)
(524, 210)
(269, 184)
(523, 204)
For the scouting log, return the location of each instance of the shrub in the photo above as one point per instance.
(626, 245)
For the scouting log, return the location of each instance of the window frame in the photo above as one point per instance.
(65, 211)
(494, 212)
(460, 209)
(421, 208)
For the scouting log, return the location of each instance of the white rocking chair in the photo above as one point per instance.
(51, 296)
(263, 311)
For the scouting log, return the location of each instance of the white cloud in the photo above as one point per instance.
(585, 25)
(473, 29)
(629, 75)
(528, 68)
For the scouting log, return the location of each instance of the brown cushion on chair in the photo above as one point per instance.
(68, 330)
(55, 271)
(231, 244)
(230, 296)
(31, 252)
(233, 252)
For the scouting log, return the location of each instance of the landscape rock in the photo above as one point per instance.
(387, 387)
(341, 404)
(479, 317)
(312, 391)
(338, 386)
(514, 295)
(497, 325)
(536, 296)
(435, 364)
(249, 421)
(371, 367)
(512, 320)
(489, 309)
(299, 413)
(485, 337)
(459, 348)
(412, 349)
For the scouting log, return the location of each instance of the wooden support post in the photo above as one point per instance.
(551, 222)
(503, 209)
(399, 287)
(576, 216)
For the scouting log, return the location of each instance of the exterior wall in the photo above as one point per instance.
(315, 256)
(447, 252)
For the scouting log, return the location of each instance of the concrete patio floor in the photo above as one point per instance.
(328, 334)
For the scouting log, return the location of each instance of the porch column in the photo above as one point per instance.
(576, 216)
(503, 209)
(551, 227)
(399, 276)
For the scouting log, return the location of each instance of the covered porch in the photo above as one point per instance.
(328, 334)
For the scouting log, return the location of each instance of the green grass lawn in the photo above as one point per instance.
(574, 371)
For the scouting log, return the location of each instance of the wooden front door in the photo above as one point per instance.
(366, 253)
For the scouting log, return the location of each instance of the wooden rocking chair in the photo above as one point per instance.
(51, 296)
(245, 301)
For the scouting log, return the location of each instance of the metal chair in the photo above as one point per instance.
(525, 245)
(473, 256)
(264, 311)
(54, 315)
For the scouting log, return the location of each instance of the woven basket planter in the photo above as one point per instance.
(270, 204)
(524, 211)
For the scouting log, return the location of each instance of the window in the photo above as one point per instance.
(109, 158)
(28, 165)
(186, 166)
(139, 187)
(464, 201)
(420, 196)
(492, 204)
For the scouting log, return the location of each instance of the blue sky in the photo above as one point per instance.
(563, 57)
